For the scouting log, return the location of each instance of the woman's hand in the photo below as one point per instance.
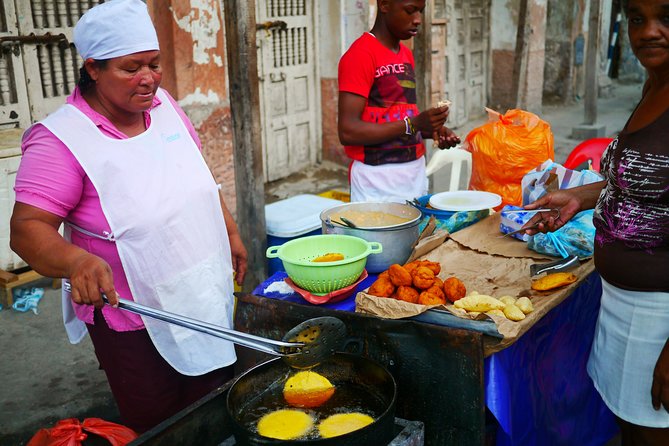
(89, 275)
(239, 257)
(445, 137)
(568, 201)
(660, 389)
(430, 121)
(565, 201)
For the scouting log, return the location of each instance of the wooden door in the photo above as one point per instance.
(39, 65)
(13, 96)
(289, 88)
(460, 45)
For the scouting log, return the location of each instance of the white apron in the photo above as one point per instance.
(396, 182)
(631, 331)
(163, 207)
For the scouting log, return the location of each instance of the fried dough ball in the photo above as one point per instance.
(423, 278)
(399, 276)
(382, 288)
(384, 275)
(438, 283)
(432, 296)
(407, 294)
(412, 266)
(454, 289)
(435, 267)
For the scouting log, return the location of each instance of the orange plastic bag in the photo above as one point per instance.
(505, 149)
(70, 432)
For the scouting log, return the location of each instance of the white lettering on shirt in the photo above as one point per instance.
(394, 68)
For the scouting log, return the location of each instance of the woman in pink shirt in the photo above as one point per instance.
(119, 165)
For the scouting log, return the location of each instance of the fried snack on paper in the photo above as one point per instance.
(454, 289)
(496, 313)
(525, 305)
(438, 283)
(382, 288)
(508, 299)
(329, 257)
(384, 275)
(435, 267)
(513, 313)
(399, 276)
(411, 266)
(423, 278)
(407, 294)
(479, 303)
(552, 281)
(432, 296)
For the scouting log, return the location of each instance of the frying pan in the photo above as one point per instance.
(371, 381)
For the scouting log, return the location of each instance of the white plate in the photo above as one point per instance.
(465, 200)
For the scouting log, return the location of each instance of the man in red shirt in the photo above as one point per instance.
(379, 121)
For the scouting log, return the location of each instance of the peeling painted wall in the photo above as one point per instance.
(193, 51)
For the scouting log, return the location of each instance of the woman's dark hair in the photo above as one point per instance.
(85, 82)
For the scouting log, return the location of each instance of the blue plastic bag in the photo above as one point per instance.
(577, 237)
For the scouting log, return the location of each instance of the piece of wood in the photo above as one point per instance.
(422, 51)
(240, 41)
(592, 64)
(21, 279)
(518, 90)
(7, 277)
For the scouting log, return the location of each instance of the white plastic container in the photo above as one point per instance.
(294, 217)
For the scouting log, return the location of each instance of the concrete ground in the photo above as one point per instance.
(45, 379)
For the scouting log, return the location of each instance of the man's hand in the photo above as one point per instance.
(430, 121)
(660, 389)
(239, 257)
(445, 138)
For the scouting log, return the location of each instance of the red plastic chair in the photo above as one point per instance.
(589, 150)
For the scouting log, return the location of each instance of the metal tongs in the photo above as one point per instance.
(304, 346)
(569, 262)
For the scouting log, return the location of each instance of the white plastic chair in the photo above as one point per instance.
(460, 161)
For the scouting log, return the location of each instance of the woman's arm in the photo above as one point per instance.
(35, 238)
(237, 249)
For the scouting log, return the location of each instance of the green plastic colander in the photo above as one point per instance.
(324, 277)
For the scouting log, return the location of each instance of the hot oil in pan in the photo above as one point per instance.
(348, 398)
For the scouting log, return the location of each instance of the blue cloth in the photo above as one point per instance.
(26, 299)
(538, 388)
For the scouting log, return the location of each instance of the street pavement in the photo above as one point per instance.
(44, 378)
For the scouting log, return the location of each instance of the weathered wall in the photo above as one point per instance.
(341, 22)
(561, 34)
(192, 45)
(504, 14)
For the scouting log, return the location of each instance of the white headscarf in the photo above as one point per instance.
(115, 28)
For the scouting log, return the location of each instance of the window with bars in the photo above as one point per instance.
(39, 65)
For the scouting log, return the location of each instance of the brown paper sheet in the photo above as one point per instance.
(484, 236)
(495, 275)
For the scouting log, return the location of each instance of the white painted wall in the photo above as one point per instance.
(503, 26)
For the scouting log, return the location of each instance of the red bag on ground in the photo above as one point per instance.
(505, 149)
(70, 432)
